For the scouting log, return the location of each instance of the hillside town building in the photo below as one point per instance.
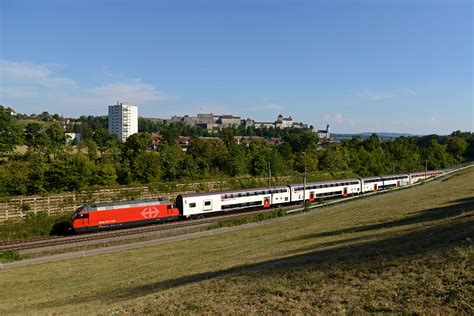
(324, 134)
(212, 122)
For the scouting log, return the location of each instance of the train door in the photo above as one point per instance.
(344, 192)
(83, 219)
(311, 196)
(376, 187)
(398, 183)
(266, 202)
(207, 205)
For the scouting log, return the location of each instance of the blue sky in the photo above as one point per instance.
(404, 66)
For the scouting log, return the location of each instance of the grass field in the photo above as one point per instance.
(409, 251)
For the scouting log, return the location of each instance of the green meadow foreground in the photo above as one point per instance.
(409, 251)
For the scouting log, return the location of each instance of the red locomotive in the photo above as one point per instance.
(122, 214)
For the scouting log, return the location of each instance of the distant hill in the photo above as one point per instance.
(367, 134)
(387, 134)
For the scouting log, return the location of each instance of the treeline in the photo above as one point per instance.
(49, 165)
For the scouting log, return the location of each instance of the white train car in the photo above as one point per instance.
(204, 203)
(371, 184)
(327, 189)
(415, 177)
(395, 181)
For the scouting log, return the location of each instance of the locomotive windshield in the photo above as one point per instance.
(78, 211)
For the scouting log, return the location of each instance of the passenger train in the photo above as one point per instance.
(140, 212)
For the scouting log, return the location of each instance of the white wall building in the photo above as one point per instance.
(324, 134)
(283, 122)
(71, 137)
(123, 120)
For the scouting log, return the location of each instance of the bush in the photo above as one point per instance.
(39, 224)
(249, 219)
(33, 225)
(9, 255)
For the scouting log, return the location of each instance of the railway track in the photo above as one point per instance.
(38, 245)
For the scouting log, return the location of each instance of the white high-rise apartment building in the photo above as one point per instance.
(123, 120)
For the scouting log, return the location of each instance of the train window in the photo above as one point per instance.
(207, 203)
(83, 215)
(192, 204)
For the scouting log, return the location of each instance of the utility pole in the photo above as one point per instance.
(426, 167)
(304, 186)
(269, 175)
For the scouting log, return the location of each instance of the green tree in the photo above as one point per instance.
(308, 159)
(35, 136)
(302, 140)
(136, 144)
(207, 153)
(10, 135)
(91, 149)
(57, 139)
(260, 157)
(36, 177)
(80, 172)
(171, 133)
(101, 138)
(57, 176)
(235, 162)
(334, 158)
(13, 178)
(189, 169)
(457, 146)
(403, 155)
(106, 173)
(85, 130)
(114, 148)
(146, 167)
(372, 143)
(171, 161)
(437, 156)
